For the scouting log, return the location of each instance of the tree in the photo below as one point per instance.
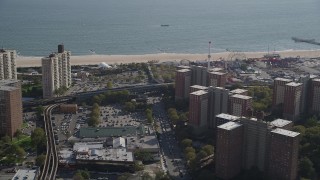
(38, 137)
(146, 176)
(208, 149)
(186, 143)
(39, 110)
(161, 176)
(109, 85)
(129, 106)
(40, 160)
(201, 154)
(18, 134)
(190, 156)
(20, 152)
(6, 139)
(83, 174)
(306, 168)
(189, 149)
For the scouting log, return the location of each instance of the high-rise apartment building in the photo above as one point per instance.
(216, 79)
(199, 75)
(183, 82)
(228, 155)
(198, 109)
(254, 143)
(56, 72)
(218, 103)
(8, 67)
(292, 101)
(278, 90)
(240, 105)
(283, 154)
(271, 147)
(315, 96)
(10, 107)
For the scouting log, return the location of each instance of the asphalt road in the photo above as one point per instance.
(172, 156)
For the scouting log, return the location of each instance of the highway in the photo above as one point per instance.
(50, 166)
(81, 95)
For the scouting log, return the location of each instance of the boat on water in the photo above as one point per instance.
(164, 25)
(303, 40)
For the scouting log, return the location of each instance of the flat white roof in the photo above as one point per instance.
(293, 84)
(238, 91)
(230, 125)
(86, 146)
(227, 116)
(217, 73)
(316, 79)
(199, 93)
(199, 87)
(283, 79)
(241, 96)
(215, 69)
(285, 132)
(25, 174)
(280, 122)
(183, 70)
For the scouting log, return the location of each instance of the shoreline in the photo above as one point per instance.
(35, 61)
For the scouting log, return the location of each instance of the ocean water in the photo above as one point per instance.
(35, 27)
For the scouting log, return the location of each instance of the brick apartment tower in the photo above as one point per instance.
(8, 68)
(228, 150)
(278, 90)
(315, 96)
(240, 105)
(216, 79)
(195, 88)
(283, 154)
(10, 107)
(198, 109)
(183, 82)
(292, 101)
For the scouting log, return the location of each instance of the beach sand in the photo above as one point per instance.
(28, 61)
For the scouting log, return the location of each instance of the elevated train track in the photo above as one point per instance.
(83, 95)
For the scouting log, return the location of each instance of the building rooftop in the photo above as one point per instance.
(111, 131)
(26, 174)
(8, 82)
(183, 70)
(227, 116)
(199, 87)
(107, 155)
(199, 93)
(280, 123)
(316, 79)
(7, 88)
(86, 146)
(184, 67)
(230, 125)
(238, 91)
(241, 96)
(146, 142)
(215, 69)
(294, 84)
(119, 142)
(285, 132)
(216, 73)
(282, 79)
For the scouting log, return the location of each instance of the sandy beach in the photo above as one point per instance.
(28, 61)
